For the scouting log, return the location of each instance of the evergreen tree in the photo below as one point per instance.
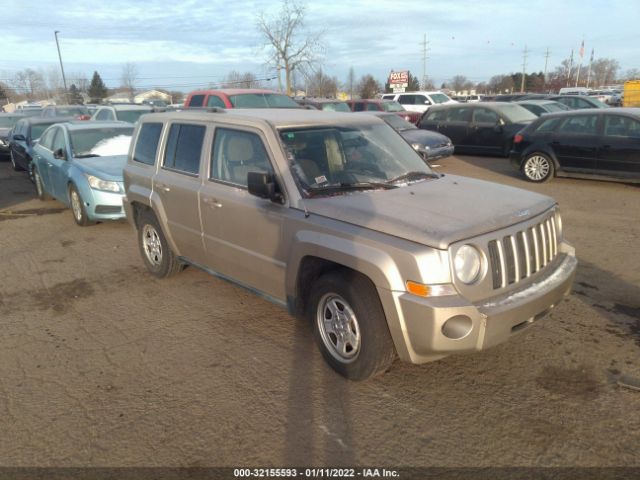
(74, 95)
(97, 89)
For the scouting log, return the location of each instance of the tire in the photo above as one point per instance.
(349, 325)
(77, 207)
(14, 165)
(538, 168)
(154, 248)
(37, 180)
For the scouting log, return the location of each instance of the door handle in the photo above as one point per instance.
(212, 202)
(163, 187)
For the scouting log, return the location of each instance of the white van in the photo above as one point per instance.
(419, 101)
(574, 91)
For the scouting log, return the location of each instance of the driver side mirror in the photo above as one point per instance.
(427, 102)
(60, 154)
(19, 137)
(263, 185)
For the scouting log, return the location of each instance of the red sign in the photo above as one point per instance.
(399, 77)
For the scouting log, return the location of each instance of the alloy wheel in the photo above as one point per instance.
(338, 327)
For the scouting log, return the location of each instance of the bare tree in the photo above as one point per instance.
(80, 80)
(632, 74)
(241, 80)
(29, 83)
(321, 85)
(291, 48)
(129, 79)
(458, 83)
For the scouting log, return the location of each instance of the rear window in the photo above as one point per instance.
(183, 148)
(392, 107)
(516, 113)
(147, 143)
(71, 111)
(131, 116)
(262, 100)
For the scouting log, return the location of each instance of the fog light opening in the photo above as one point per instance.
(457, 327)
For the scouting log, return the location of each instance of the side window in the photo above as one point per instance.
(215, 101)
(373, 107)
(103, 114)
(47, 139)
(58, 141)
(235, 154)
(619, 126)
(358, 107)
(388, 97)
(184, 147)
(422, 100)
(196, 101)
(484, 115)
(436, 115)
(458, 114)
(549, 125)
(147, 143)
(581, 124)
(406, 99)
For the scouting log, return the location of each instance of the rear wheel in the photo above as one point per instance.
(37, 180)
(154, 248)
(14, 165)
(538, 168)
(350, 326)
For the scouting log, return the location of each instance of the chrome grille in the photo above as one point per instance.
(520, 255)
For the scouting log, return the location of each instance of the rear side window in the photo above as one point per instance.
(484, 115)
(196, 101)
(582, 124)
(619, 126)
(358, 107)
(459, 114)
(436, 116)
(147, 143)
(373, 107)
(215, 101)
(549, 125)
(184, 146)
(47, 139)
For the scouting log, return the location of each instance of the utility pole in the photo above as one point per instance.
(524, 67)
(424, 61)
(546, 62)
(64, 80)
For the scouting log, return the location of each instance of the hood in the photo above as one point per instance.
(435, 212)
(107, 167)
(425, 137)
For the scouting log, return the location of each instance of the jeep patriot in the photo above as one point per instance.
(336, 217)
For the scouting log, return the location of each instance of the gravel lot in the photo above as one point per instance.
(103, 365)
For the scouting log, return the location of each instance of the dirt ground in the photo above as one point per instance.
(103, 365)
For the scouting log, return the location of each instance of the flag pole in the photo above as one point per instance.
(589, 71)
(570, 67)
(581, 53)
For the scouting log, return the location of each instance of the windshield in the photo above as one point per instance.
(325, 159)
(392, 106)
(336, 107)
(8, 121)
(131, 116)
(398, 123)
(438, 98)
(598, 104)
(91, 142)
(516, 113)
(262, 100)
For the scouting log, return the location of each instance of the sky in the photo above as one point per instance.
(184, 45)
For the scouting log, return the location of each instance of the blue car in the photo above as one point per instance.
(80, 164)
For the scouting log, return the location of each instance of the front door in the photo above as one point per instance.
(178, 183)
(58, 167)
(486, 131)
(242, 233)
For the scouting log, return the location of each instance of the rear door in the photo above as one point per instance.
(231, 216)
(576, 143)
(485, 132)
(620, 152)
(177, 184)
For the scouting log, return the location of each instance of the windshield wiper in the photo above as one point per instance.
(409, 176)
(343, 187)
(87, 155)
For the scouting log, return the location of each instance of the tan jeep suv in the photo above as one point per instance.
(336, 217)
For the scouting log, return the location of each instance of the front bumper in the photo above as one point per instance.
(104, 206)
(418, 331)
(438, 153)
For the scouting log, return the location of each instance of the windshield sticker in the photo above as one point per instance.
(321, 179)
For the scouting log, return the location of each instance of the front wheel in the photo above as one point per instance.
(154, 248)
(350, 326)
(538, 168)
(77, 207)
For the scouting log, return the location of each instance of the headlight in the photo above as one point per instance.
(467, 264)
(105, 185)
(420, 147)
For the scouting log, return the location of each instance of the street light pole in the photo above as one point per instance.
(64, 80)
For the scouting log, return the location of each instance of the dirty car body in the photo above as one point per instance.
(317, 211)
